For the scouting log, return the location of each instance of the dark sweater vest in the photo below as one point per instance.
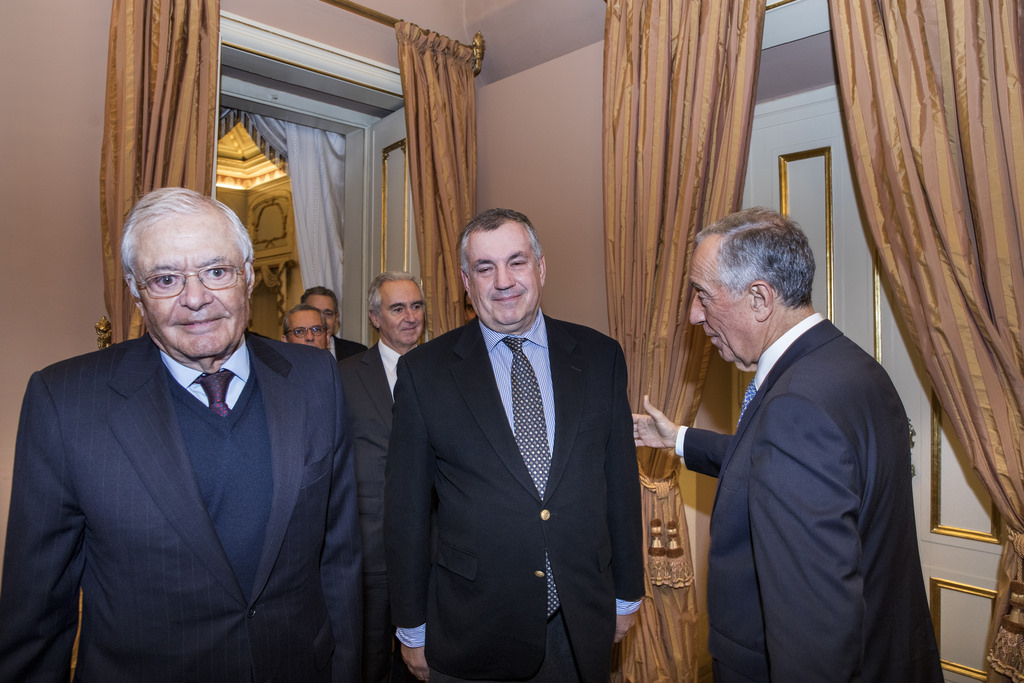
(231, 459)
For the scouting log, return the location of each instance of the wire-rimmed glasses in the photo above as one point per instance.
(171, 284)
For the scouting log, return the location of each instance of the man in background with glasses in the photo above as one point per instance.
(327, 301)
(304, 324)
(195, 484)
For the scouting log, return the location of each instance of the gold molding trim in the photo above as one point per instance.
(937, 527)
(876, 305)
(776, 5)
(935, 588)
(784, 161)
(384, 155)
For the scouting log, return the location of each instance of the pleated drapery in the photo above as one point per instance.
(440, 117)
(932, 98)
(316, 163)
(160, 121)
(679, 84)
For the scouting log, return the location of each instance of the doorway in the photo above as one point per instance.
(271, 73)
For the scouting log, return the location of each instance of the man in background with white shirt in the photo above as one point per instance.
(813, 569)
(395, 308)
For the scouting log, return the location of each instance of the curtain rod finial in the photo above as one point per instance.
(478, 53)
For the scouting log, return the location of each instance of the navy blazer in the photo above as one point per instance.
(104, 497)
(369, 402)
(482, 599)
(813, 570)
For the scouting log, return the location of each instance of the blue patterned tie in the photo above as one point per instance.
(216, 387)
(748, 396)
(531, 435)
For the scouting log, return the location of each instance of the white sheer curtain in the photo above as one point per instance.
(316, 166)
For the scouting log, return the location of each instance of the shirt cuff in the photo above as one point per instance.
(626, 606)
(679, 440)
(412, 637)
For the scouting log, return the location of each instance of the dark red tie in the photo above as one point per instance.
(216, 388)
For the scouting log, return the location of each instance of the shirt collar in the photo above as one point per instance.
(238, 363)
(538, 333)
(387, 354)
(774, 352)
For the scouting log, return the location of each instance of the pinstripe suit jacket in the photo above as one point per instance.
(104, 498)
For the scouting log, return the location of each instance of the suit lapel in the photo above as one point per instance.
(286, 453)
(373, 377)
(820, 334)
(568, 380)
(146, 425)
(471, 372)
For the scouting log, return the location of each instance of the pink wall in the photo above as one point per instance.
(52, 75)
(539, 152)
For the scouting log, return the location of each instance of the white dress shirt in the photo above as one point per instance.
(768, 360)
(237, 363)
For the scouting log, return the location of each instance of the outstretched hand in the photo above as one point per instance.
(654, 429)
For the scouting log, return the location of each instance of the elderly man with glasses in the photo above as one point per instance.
(305, 324)
(196, 484)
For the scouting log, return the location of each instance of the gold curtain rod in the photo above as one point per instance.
(381, 18)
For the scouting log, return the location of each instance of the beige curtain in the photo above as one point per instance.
(932, 97)
(161, 121)
(679, 83)
(440, 118)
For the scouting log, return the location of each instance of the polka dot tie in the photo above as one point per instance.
(216, 387)
(531, 433)
(748, 396)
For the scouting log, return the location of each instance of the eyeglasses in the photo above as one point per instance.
(167, 285)
(299, 332)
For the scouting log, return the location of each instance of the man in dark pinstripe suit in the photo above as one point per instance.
(211, 525)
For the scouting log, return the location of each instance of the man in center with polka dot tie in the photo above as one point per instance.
(521, 425)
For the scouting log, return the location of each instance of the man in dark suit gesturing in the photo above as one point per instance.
(197, 486)
(522, 426)
(813, 570)
(395, 308)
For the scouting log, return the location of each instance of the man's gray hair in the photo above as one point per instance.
(373, 299)
(302, 307)
(172, 202)
(763, 244)
(492, 219)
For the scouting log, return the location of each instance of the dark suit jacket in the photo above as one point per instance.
(104, 497)
(814, 573)
(343, 348)
(368, 399)
(482, 600)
